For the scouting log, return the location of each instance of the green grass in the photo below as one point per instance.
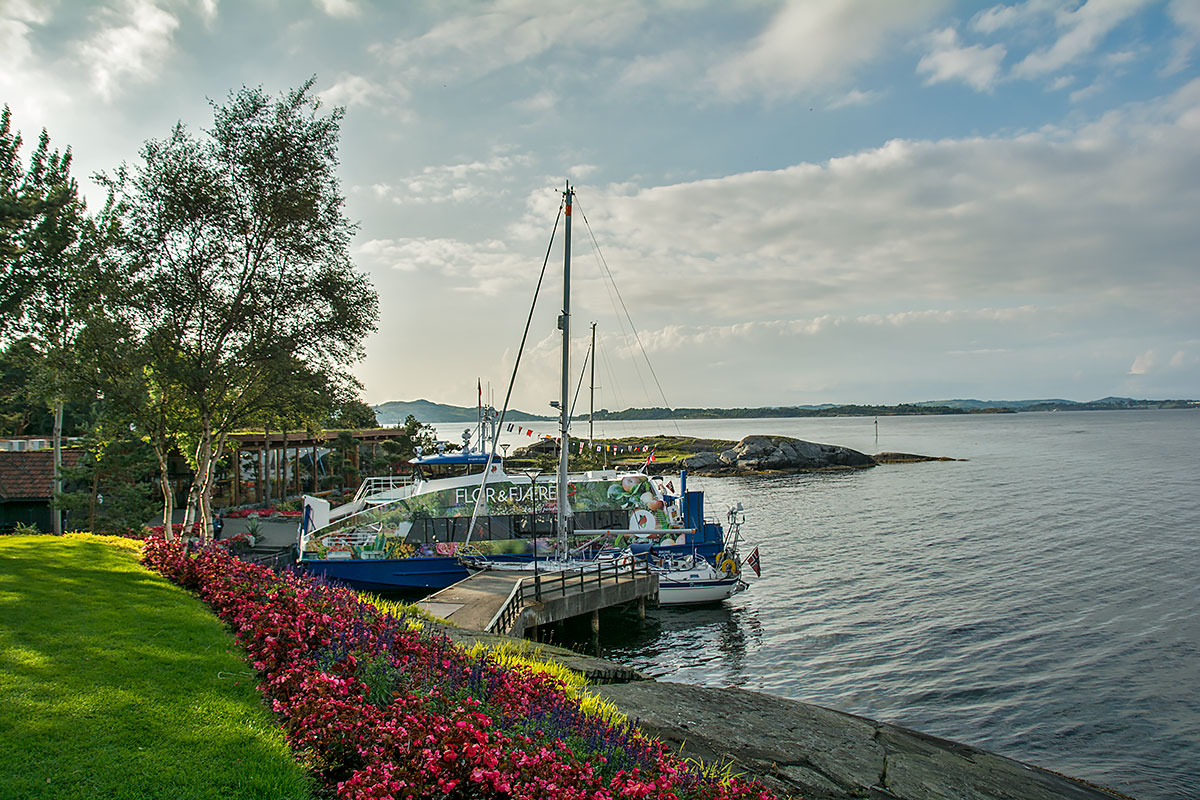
(117, 684)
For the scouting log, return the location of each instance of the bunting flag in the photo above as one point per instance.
(510, 427)
(529, 433)
(753, 561)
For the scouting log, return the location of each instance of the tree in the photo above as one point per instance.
(354, 414)
(240, 245)
(45, 267)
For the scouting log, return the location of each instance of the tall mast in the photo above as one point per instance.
(592, 393)
(564, 322)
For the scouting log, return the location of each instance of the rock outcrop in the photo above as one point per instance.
(802, 750)
(756, 454)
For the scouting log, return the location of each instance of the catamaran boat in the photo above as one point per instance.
(406, 533)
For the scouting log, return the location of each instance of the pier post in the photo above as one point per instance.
(596, 631)
(641, 608)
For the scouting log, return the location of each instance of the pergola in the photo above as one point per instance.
(263, 443)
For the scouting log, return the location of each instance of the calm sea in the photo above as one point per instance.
(1040, 599)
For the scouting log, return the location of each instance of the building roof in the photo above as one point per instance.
(29, 475)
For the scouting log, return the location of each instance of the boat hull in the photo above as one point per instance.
(689, 593)
(391, 574)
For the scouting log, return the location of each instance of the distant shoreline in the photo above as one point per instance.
(438, 414)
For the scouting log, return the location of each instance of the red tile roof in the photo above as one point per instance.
(29, 475)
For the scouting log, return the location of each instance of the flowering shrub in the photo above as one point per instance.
(239, 513)
(157, 530)
(379, 710)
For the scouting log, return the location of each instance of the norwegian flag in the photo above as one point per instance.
(753, 561)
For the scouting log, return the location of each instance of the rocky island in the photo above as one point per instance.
(753, 455)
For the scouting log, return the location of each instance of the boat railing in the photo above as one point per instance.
(536, 588)
(381, 483)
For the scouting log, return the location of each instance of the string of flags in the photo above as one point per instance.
(613, 449)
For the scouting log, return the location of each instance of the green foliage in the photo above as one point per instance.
(109, 489)
(117, 684)
(353, 414)
(247, 305)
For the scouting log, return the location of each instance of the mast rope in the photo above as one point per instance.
(608, 274)
(487, 469)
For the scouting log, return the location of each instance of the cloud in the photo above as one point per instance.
(339, 8)
(507, 32)
(130, 46)
(1185, 14)
(1100, 210)
(808, 46)
(1083, 30)
(976, 66)
(1143, 363)
(485, 268)
(25, 86)
(354, 90)
(448, 183)
(855, 97)
(1019, 15)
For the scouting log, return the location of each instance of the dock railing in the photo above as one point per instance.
(536, 588)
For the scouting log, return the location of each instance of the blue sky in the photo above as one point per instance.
(862, 201)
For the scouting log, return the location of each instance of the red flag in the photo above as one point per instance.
(529, 433)
(753, 561)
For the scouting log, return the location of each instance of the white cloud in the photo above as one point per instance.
(1020, 15)
(662, 68)
(812, 45)
(544, 100)
(1143, 363)
(507, 32)
(451, 182)
(339, 8)
(208, 10)
(130, 46)
(485, 268)
(976, 66)
(353, 90)
(1186, 16)
(29, 89)
(855, 97)
(1083, 30)
(1054, 213)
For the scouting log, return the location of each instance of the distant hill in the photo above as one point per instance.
(396, 411)
(425, 411)
(974, 405)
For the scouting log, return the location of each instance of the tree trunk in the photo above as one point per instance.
(55, 514)
(164, 482)
(92, 502)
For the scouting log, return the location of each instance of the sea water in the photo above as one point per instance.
(1040, 599)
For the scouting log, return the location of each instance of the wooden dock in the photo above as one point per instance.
(516, 603)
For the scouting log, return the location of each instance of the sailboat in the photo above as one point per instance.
(463, 507)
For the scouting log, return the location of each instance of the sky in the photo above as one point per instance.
(791, 202)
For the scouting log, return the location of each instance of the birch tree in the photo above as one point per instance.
(241, 245)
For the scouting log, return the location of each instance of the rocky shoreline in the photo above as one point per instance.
(799, 750)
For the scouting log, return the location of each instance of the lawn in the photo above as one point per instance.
(118, 684)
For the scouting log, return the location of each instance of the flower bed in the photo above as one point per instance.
(238, 513)
(379, 709)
